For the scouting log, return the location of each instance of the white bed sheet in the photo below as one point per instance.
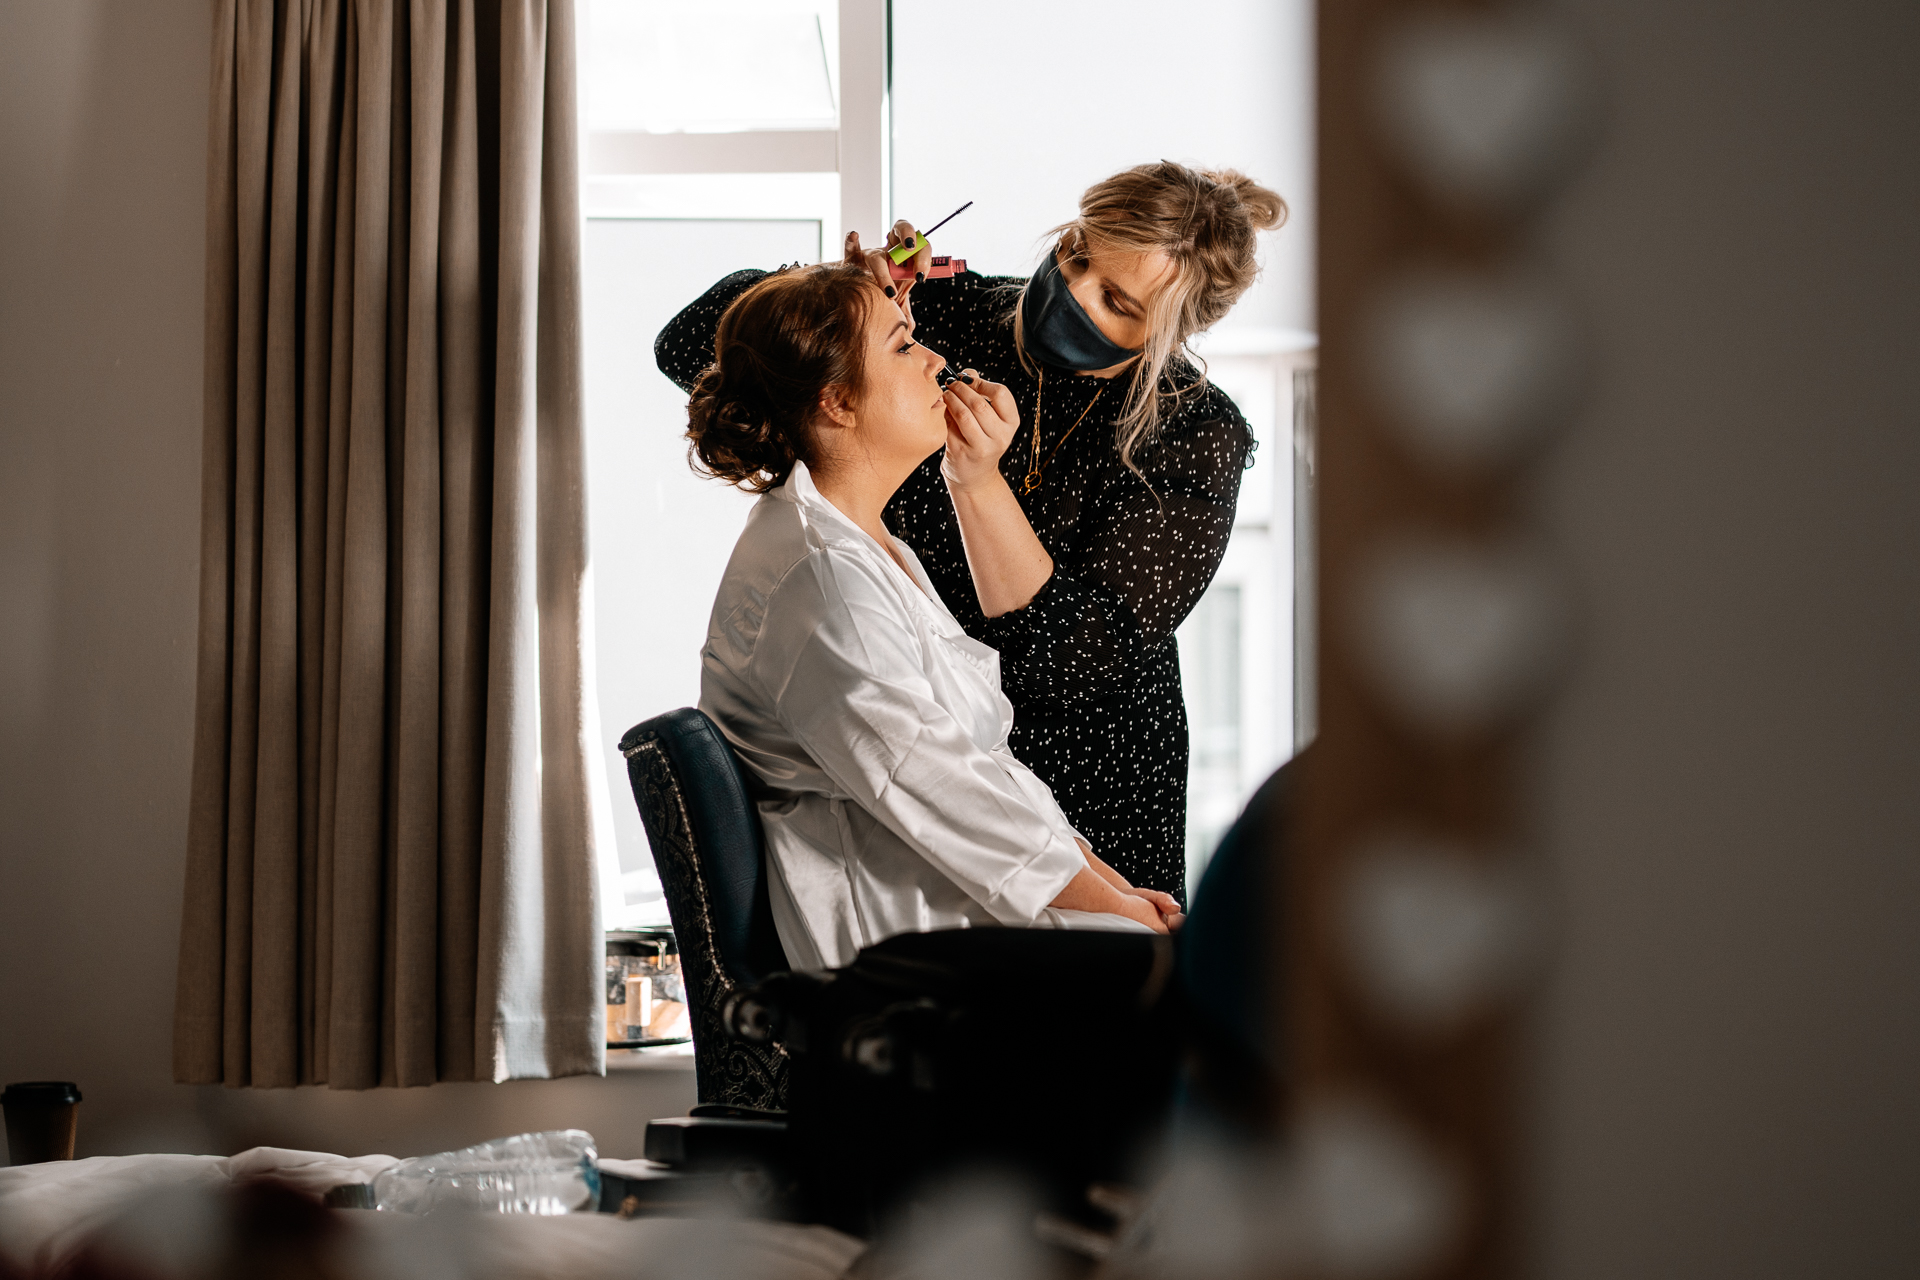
(48, 1212)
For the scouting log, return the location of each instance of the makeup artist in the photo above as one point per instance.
(1087, 489)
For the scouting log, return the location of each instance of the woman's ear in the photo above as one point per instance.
(836, 406)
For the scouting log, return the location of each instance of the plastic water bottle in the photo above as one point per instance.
(544, 1173)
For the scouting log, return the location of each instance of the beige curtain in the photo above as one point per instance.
(390, 875)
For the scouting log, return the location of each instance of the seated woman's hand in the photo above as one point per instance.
(1136, 908)
(1164, 903)
(1089, 891)
(981, 420)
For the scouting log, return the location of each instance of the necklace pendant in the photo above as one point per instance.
(1032, 481)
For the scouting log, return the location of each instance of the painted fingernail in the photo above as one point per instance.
(919, 277)
(967, 378)
(909, 242)
(891, 291)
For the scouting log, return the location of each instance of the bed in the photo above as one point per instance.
(157, 1214)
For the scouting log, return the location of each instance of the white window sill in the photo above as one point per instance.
(672, 1057)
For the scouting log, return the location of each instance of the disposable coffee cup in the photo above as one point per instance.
(42, 1116)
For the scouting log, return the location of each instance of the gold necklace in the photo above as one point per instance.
(1034, 476)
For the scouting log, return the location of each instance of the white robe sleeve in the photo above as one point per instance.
(843, 669)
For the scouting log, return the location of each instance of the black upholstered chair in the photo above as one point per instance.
(706, 838)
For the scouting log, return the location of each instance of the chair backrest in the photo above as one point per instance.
(707, 844)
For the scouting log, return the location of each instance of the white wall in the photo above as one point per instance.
(1729, 1080)
(102, 200)
(1020, 106)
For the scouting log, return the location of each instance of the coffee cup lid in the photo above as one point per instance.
(42, 1091)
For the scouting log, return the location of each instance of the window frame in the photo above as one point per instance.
(856, 152)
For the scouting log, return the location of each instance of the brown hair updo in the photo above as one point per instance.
(1204, 220)
(781, 344)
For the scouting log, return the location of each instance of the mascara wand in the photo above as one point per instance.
(911, 245)
(949, 218)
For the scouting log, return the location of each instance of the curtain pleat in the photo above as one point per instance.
(252, 90)
(417, 791)
(321, 81)
(468, 296)
(198, 1023)
(391, 844)
(575, 807)
(274, 965)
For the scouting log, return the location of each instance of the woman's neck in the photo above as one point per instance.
(861, 495)
(1111, 371)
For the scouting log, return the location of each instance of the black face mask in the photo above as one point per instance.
(1058, 331)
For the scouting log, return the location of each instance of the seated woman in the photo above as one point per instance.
(875, 725)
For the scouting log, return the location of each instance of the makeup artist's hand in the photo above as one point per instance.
(880, 266)
(922, 260)
(981, 420)
(876, 263)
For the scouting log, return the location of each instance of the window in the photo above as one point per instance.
(719, 134)
(730, 133)
(1237, 649)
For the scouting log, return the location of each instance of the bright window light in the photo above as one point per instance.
(661, 66)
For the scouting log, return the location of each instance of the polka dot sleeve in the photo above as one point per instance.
(685, 346)
(1151, 545)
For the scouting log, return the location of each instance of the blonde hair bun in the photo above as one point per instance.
(1266, 211)
(1205, 220)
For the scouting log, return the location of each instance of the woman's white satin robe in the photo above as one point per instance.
(879, 731)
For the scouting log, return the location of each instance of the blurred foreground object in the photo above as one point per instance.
(1451, 356)
(1458, 636)
(1489, 109)
(1049, 1052)
(1436, 934)
(1473, 370)
(1354, 1193)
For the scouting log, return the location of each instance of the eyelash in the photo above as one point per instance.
(1113, 306)
(911, 344)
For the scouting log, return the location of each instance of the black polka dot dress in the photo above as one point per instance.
(1090, 665)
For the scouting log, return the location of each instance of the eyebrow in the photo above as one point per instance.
(897, 326)
(1125, 297)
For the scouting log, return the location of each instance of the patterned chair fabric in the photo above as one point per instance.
(707, 844)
